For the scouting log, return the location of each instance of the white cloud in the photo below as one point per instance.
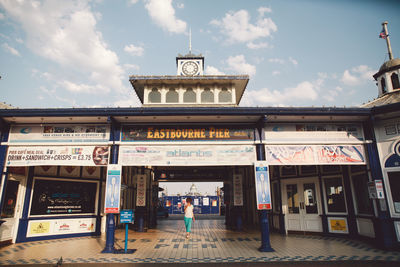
(81, 88)
(357, 75)
(163, 14)
(65, 32)
(19, 40)
(134, 50)
(11, 50)
(210, 70)
(132, 2)
(180, 5)
(263, 10)
(238, 64)
(304, 91)
(237, 27)
(2, 16)
(252, 45)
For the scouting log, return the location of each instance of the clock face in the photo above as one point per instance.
(190, 68)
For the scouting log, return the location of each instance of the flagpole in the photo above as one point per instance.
(384, 24)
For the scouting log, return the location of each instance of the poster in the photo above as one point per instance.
(141, 190)
(113, 189)
(314, 154)
(237, 190)
(59, 197)
(61, 226)
(206, 201)
(338, 225)
(61, 134)
(263, 190)
(57, 155)
(187, 155)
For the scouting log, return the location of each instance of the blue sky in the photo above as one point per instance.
(297, 52)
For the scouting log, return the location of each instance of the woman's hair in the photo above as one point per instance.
(189, 200)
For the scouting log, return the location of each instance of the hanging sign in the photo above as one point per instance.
(57, 155)
(47, 134)
(314, 154)
(141, 190)
(157, 134)
(237, 190)
(187, 155)
(113, 189)
(263, 190)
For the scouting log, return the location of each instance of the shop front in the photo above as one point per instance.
(319, 179)
(53, 181)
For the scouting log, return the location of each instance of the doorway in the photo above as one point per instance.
(302, 205)
(11, 208)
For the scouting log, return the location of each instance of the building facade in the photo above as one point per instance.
(332, 171)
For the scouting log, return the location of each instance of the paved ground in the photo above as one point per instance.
(210, 243)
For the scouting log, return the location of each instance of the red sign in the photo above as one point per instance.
(264, 206)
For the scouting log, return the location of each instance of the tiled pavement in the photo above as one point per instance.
(210, 243)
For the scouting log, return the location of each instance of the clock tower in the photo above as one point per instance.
(190, 64)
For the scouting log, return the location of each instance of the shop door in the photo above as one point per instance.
(302, 202)
(11, 209)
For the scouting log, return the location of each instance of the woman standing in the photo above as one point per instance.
(189, 216)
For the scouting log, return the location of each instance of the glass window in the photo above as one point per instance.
(207, 96)
(383, 85)
(310, 200)
(154, 96)
(189, 96)
(172, 96)
(225, 96)
(292, 198)
(394, 182)
(395, 81)
(275, 195)
(360, 185)
(334, 194)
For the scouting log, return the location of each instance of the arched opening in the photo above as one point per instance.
(189, 96)
(395, 81)
(172, 96)
(224, 96)
(154, 96)
(207, 96)
(383, 85)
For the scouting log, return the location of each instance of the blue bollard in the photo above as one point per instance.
(141, 223)
(239, 223)
(110, 234)
(265, 241)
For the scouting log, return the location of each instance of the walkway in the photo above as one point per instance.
(210, 243)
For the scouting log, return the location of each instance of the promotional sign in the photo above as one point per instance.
(113, 189)
(60, 227)
(187, 155)
(57, 197)
(237, 190)
(375, 189)
(263, 190)
(141, 190)
(126, 216)
(47, 134)
(338, 225)
(313, 133)
(314, 154)
(57, 155)
(138, 134)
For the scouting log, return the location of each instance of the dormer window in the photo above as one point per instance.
(172, 96)
(189, 96)
(395, 81)
(154, 96)
(224, 96)
(207, 96)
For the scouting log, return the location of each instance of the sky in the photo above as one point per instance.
(62, 54)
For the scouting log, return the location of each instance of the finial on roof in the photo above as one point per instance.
(385, 35)
(190, 41)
